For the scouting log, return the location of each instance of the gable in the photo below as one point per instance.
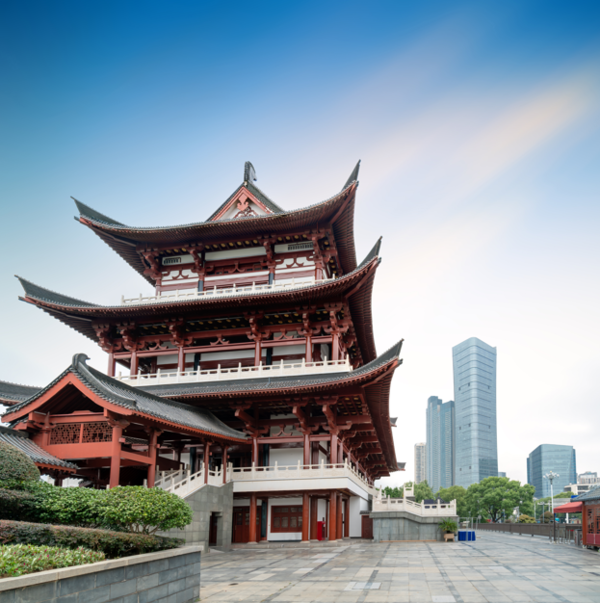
(243, 204)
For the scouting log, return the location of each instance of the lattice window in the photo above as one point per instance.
(97, 432)
(67, 433)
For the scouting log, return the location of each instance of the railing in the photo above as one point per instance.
(299, 471)
(387, 504)
(184, 483)
(233, 291)
(280, 369)
(559, 532)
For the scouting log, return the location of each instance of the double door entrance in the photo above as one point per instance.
(241, 523)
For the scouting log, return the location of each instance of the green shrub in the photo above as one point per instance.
(16, 466)
(70, 506)
(17, 505)
(112, 544)
(19, 559)
(448, 525)
(144, 510)
(526, 519)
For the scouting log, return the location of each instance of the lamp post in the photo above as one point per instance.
(551, 476)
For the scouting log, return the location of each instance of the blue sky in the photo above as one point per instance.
(477, 125)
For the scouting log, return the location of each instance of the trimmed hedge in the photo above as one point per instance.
(20, 559)
(17, 504)
(16, 465)
(112, 544)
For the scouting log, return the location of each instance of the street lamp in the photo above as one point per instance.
(551, 476)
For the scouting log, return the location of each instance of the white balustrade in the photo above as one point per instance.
(214, 292)
(184, 483)
(279, 369)
(437, 509)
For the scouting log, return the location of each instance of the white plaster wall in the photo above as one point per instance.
(321, 510)
(285, 456)
(288, 350)
(241, 502)
(357, 504)
(244, 252)
(279, 536)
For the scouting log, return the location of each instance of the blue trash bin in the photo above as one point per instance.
(462, 535)
(470, 535)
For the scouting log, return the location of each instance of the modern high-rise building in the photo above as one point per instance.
(420, 463)
(551, 457)
(476, 443)
(440, 443)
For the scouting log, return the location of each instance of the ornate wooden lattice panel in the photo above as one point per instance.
(67, 433)
(97, 432)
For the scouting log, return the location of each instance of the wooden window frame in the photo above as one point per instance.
(276, 513)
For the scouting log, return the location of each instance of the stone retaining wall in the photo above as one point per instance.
(171, 576)
(400, 525)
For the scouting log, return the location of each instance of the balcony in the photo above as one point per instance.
(281, 369)
(272, 478)
(233, 291)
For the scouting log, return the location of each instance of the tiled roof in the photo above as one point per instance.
(123, 239)
(139, 401)
(33, 451)
(590, 495)
(254, 190)
(13, 392)
(273, 384)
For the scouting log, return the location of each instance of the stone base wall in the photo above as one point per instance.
(204, 502)
(166, 577)
(390, 526)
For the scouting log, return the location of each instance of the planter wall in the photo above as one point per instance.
(171, 576)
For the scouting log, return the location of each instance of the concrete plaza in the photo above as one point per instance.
(497, 568)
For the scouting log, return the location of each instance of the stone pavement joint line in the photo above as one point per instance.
(496, 568)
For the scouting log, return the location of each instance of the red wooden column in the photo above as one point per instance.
(152, 454)
(335, 346)
(347, 518)
(314, 510)
(305, 517)
(181, 359)
(339, 516)
(307, 448)
(224, 464)
(255, 450)
(111, 365)
(252, 531)
(333, 516)
(206, 460)
(115, 461)
(333, 449)
(257, 351)
(133, 368)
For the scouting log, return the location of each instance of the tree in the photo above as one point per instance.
(16, 468)
(457, 493)
(421, 490)
(397, 492)
(494, 497)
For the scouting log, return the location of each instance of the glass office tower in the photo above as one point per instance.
(551, 457)
(440, 443)
(420, 463)
(476, 455)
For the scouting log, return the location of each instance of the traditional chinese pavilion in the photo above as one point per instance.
(252, 361)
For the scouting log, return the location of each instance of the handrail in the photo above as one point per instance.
(223, 292)
(383, 504)
(280, 369)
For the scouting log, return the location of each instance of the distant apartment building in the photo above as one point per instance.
(585, 482)
(501, 474)
(551, 457)
(476, 443)
(440, 443)
(420, 463)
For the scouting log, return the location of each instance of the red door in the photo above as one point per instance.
(366, 527)
(241, 524)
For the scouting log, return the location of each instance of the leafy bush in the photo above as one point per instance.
(112, 544)
(526, 519)
(16, 466)
(144, 510)
(18, 505)
(448, 525)
(19, 559)
(70, 506)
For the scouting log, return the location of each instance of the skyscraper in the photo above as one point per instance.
(420, 463)
(551, 457)
(475, 396)
(440, 443)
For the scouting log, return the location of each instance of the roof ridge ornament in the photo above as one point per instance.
(249, 173)
(79, 359)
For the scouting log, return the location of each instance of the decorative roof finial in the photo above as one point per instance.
(249, 173)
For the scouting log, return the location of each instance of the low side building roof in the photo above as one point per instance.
(38, 455)
(11, 393)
